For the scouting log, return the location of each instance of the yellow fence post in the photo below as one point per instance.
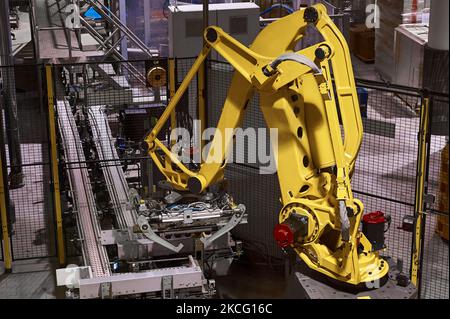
(420, 207)
(54, 164)
(4, 218)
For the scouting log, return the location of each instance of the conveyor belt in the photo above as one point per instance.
(94, 253)
(187, 277)
(114, 176)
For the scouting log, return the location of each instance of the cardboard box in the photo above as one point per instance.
(362, 42)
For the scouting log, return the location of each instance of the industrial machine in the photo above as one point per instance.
(240, 19)
(167, 242)
(320, 132)
(137, 236)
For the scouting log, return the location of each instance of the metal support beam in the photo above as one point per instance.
(55, 166)
(185, 277)
(119, 23)
(7, 256)
(106, 45)
(205, 17)
(420, 208)
(123, 20)
(147, 22)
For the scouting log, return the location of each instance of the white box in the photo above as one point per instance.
(410, 41)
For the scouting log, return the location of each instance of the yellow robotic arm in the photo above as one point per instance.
(320, 218)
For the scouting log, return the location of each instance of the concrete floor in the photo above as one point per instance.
(53, 44)
(32, 285)
(364, 70)
(31, 279)
(22, 34)
(31, 228)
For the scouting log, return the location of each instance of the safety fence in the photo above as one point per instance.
(385, 179)
(434, 259)
(113, 107)
(26, 163)
(390, 143)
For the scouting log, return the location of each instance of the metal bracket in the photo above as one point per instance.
(150, 234)
(187, 215)
(234, 221)
(345, 223)
(429, 199)
(134, 197)
(199, 251)
(167, 287)
(70, 276)
(211, 286)
(173, 197)
(105, 290)
(122, 236)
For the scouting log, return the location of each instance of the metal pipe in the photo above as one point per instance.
(113, 46)
(34, 30)
(133, 71)
(9, 86)
(123, 19)
(54, 28)
(69, 41)
(109, 16)
(195, 216)
(147, 22)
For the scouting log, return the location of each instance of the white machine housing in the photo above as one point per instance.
(241, 20)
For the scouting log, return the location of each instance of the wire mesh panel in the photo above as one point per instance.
(385, 172)
(258, 192)
(260, 195)
(435, 267)
(438, 155)
(387, 160)
(398, 242)
(219, 79)
(25, 123)
(187, 108)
